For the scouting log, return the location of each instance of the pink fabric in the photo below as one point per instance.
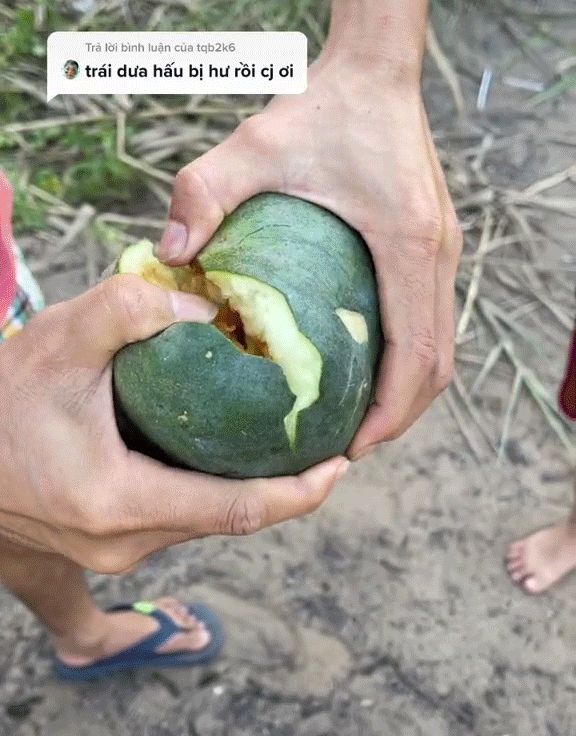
(7, 266)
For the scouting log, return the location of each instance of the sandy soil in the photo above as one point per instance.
(386, 612)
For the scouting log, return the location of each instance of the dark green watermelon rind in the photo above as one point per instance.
(180, 412)
(269, 238)
(258, 240)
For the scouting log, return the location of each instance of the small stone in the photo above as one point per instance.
(22, 708)
(515, 453)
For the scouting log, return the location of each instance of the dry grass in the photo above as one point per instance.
(507, 301)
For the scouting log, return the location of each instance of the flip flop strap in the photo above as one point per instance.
(154, 640)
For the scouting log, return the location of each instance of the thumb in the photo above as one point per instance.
(122, 309)
(215, 184)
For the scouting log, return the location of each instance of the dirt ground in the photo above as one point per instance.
(388, 611)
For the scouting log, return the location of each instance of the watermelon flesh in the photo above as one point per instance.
(256, 317)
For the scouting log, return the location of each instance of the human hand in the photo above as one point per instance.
(69, 485)
(359, 145)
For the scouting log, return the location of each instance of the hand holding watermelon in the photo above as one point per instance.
(69, 485)
(357, 142)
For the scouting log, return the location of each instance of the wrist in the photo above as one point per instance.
(384, 41)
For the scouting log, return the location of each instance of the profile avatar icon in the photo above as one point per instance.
(71, 69)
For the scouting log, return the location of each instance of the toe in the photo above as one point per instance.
(176, 611)
(170, 606)
(181, 615)
(166, 602)
(180, 608)
(202, 638)
(175, 606)
(532, 585)
(514, 565)
(513, 554)
(515, 550)
(189, 641)
(518, 575)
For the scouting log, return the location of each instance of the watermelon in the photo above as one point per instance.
(283, 377)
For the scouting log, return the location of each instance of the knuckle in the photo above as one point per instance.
(196, 191)
(426, 225)
(424, 348)
(191, 184)
(244, 515)
(186, 178)
(257, 133)
(429, 237)
(430, 246)
(125, 298)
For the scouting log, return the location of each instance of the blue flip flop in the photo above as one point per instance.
(143, 653)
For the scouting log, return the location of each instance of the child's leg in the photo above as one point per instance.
(54, 589)
(540, 560)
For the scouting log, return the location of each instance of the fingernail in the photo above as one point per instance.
(364, 451)
(173, 241)
(189, 308)
(342, 469)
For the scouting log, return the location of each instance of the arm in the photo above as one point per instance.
(358, 143)
(385, 38)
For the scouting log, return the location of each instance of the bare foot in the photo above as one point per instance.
(540, 560)
(122, 629)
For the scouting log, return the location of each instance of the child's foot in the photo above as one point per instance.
(118, 630)
(540, 560)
